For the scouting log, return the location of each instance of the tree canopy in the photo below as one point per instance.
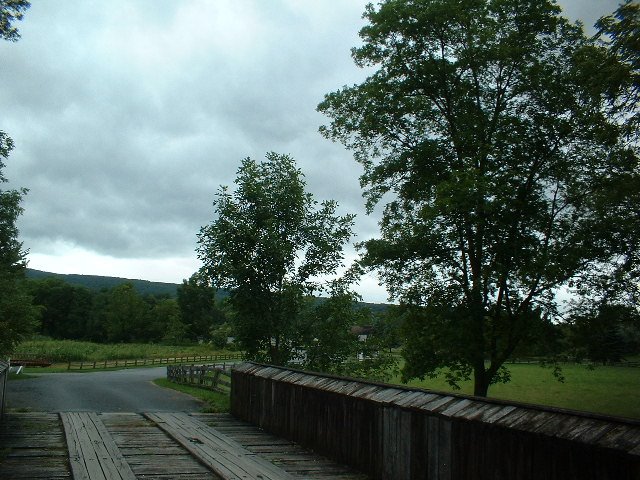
(269, 246)
(488, 136)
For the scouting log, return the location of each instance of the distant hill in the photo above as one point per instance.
(97, 283)
(143, 287)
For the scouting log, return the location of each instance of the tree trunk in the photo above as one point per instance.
(480, 381)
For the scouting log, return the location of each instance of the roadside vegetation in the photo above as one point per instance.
(214, 402)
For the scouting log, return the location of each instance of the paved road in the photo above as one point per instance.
(115, 391)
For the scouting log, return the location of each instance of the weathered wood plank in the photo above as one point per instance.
(93, 454)
(288, 455)
(223, 455)
(32, 447)
(143, 444)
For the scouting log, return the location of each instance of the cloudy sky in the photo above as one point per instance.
(128, 114)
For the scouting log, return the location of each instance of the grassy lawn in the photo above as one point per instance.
(214, 402)
(608, 390)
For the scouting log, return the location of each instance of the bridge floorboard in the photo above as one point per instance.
(33, 446)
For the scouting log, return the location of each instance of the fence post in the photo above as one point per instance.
(4, 373)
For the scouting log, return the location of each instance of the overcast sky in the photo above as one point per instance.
(128, 114)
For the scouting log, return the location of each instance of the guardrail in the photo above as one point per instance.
(152, 361)
(4, 375)
(211, 377)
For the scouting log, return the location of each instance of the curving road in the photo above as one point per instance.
(115, 391)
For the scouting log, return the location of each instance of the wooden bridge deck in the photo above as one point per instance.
(151, 446)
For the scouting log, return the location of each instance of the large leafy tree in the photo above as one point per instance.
(17, 316)
(484, 132)
(619, 68)
(269, 245)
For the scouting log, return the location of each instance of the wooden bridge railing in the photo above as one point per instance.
(212, 377)
(392, 432)
(4, 375)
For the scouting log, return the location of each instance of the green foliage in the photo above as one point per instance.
(119, 314)
(327, 340)
(10, 12)
(388, 324)
(220, 335)
(620, 32)
(608, 334)
(197, 301)
(18, 318)
(64, 308)
(268, 245)
(125, 315)
(497, 158)
(619, 68)
(328, 343)
(167, 319)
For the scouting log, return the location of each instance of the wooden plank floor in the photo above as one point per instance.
(217, 451)
(289, 456)
(33, 446)
(93, 454)
(150, 452)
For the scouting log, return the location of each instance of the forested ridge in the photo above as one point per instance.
(99, 282)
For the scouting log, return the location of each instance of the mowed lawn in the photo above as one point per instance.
(608, 390)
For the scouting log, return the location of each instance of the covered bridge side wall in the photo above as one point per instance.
(390, 432)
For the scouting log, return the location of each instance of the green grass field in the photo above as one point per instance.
(76, 351)
(608, 390)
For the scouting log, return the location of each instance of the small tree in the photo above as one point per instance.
(327, 340)
(268, 246)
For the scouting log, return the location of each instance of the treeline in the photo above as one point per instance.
(325, 329)
(121, 314)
